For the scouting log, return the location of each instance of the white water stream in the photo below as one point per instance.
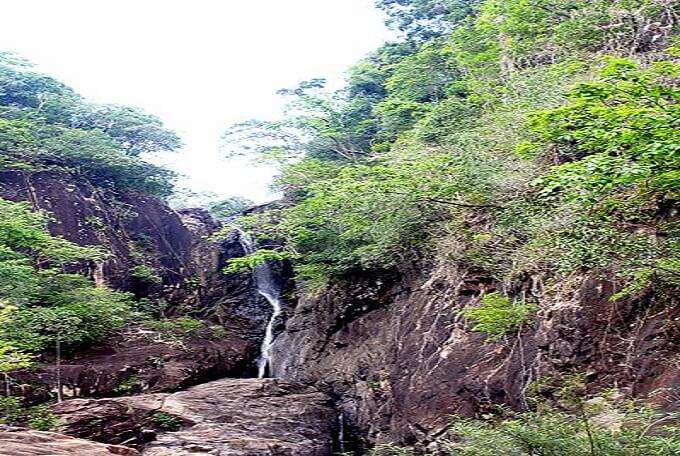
(267, 288)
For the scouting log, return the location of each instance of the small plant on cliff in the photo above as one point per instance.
(176, 328)
(229, 207)
(41, 418)
(145, 274)
(498, 315)
(128, 385)
(10, 410)
(250, 262)
(166, 422)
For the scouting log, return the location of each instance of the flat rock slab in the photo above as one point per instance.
(248, 417)
(36, 443)
(230, 417)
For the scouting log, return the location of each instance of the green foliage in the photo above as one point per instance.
(127, 386)
(150, 308)
(24, 235)
(425, 19)
(558, 433)
(134, 131)
(255, 259)
(145, 274)
(82, 315)
(41, 418)
(166, 422)
(41, 305)
(424, 76)
(508, 145)
(10, 409)
(619, 139)
(13, 412)
(617, 133)
(498, 315)
(579, 426)
(179, 327)
(319, 124)
(508, 35)
(11, 358)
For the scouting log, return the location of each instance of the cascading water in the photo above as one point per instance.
(269, 289)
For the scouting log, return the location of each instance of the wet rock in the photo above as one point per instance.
(35, 443)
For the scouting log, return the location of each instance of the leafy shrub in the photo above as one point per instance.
(564, 434)
(145, 274)
(180, 327)
(41, 307)
(253, 260)
(41, 418)
(83, 315)
(127, 386)
(166, 422)
(10, 409)
(13, 413)
(498, 315)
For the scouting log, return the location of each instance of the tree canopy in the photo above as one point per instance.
(521, 137)
(44, 123)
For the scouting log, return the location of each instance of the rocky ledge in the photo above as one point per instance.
(231, 417)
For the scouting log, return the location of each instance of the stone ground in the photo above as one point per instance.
(230, 417)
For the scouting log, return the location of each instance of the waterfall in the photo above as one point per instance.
(341, 431)
(267, 287)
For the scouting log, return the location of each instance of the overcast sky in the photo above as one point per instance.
(198, 64)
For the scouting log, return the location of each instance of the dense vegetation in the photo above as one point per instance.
(519, 137)
(46, 125)
(48, 307)
(43, 309)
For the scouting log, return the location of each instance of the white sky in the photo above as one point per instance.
(200, 65)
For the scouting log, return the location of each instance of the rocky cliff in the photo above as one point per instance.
(399, 358)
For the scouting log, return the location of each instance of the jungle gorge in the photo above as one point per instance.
(475, 252)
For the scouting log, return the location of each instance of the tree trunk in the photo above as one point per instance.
(58, 352)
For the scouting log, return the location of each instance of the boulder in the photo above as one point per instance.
(37, 443)
(239, 417)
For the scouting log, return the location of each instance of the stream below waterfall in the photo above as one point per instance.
(267, 287)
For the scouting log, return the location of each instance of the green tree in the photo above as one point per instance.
(425, 19)
(230, 206)
(45, 123)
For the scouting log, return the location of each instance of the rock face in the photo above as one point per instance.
(137, 361)
(35, 443)
(401, 359)
(228, 417)
(136, 230)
